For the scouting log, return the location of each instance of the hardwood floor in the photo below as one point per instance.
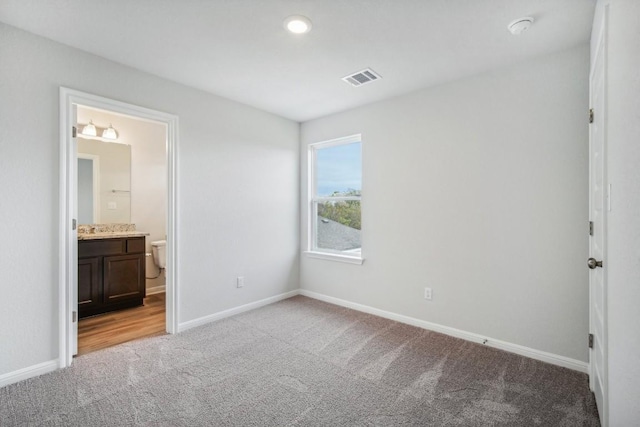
(109, 329)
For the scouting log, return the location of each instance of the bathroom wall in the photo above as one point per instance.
(148, 197)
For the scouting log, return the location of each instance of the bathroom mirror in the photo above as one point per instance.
(104, 182)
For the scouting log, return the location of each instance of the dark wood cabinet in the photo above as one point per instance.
(89, 283)
(122, 277)
(111, 274)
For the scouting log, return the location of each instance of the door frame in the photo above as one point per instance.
(68, 241)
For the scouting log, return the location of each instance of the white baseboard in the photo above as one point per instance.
(236, 310)
(28, 372)
(156, 290)
(543, 356)
(577, 365)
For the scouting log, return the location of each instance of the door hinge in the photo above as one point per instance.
(74, 317)
(74, 132)
(590, 340)
(74, 224)
(590, 228)
(590, 115)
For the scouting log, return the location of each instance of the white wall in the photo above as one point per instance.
(623, 259)
(477, 189)
(148, 198)
(238, 184)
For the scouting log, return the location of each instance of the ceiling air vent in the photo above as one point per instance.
(362, 77)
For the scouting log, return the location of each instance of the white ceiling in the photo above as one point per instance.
(238, 48)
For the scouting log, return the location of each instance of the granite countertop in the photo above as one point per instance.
(108, 231)
(111, 235)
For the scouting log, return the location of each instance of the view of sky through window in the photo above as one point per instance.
(339, 169)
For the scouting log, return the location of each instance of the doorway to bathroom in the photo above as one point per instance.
(118, 192)
(122, 200)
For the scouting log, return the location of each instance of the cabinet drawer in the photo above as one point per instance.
(135, 245)
(91, 248)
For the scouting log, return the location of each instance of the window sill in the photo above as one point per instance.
(335, 257)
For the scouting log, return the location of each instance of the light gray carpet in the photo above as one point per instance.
(302, 362)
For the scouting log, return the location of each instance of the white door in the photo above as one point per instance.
(598, 207)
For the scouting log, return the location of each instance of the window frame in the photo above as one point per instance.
(313, 199)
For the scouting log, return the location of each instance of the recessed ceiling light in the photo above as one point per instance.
(520, 25)
(298, 24)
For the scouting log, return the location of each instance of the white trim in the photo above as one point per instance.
(338, 141)
(65, 238)
(28, 372)
(543, 356)
(313, 199)
(335, 257)
(156, 290)
(236, 310)
(69, 99)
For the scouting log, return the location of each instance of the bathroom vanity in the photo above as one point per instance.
(111, 271)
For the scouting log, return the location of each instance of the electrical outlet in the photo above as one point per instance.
(240, 282)
(427, 294)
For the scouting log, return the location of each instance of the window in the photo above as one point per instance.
(335, 191)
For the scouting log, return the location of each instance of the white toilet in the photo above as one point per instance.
(159, 251)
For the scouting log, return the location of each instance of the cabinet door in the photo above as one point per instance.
(123, 278)
(89, 284)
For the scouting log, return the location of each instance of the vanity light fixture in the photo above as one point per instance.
(90, 129)
(110, 133)
(297, 24)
